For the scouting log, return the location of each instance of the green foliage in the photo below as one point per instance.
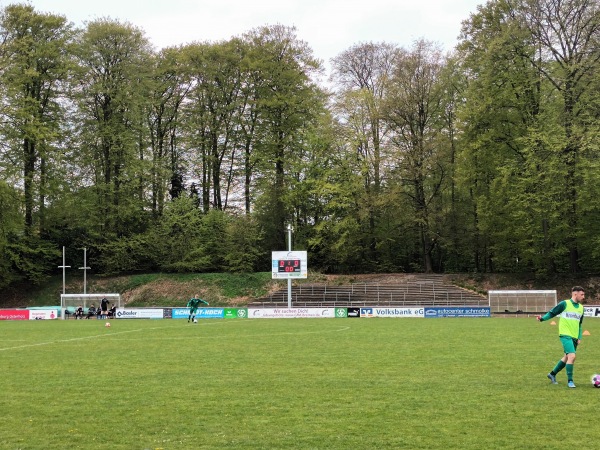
(525, 113)
(34, 67)
(288, 104)
(483, 161)
(113, 77)
(414, 109)
(213, 240)
(9, 226)
(31, 258)
(135, 253)
(242, 240)
(178, 232)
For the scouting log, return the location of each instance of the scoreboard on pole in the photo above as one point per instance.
(290, 264)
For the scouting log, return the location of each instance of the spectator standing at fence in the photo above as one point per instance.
(104, 306)
(112, 311)
(193, 305)
(569, 331)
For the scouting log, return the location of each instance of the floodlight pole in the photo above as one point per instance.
(85, 269)
(289, 230)
(63, 267)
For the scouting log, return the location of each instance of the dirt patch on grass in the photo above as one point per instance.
(164, 290)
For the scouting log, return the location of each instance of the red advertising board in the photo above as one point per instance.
(14, 314)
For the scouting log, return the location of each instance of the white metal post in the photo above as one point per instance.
(85, 269)
(289, 229)
(63, 267)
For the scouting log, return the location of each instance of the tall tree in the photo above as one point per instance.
(169, 87)
(288, 100)
(414, 110)
(34, 63)
(366, 69)
(336, 234)
(112, 94)
(567, 34)
(527, 122)
(501, 112)
(214, 110)
(363, 74)
(456, 241)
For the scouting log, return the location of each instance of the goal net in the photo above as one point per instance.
(521, 301)
(70, 302)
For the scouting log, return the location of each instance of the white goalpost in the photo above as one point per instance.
(69, 302)
(529, 301)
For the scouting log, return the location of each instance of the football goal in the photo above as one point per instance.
(521, 301)
(69, 302)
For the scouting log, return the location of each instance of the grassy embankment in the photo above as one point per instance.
(225, 289)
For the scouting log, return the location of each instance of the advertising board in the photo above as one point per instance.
(291, 313)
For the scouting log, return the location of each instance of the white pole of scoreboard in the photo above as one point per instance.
(289, 229)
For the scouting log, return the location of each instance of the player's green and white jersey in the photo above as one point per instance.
(571, 317)
(195, 302)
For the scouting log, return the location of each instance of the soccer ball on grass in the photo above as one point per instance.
(596, 381)
(195, 320)
(107, 324)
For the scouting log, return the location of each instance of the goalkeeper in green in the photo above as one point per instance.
(193, 305)
(571, 313)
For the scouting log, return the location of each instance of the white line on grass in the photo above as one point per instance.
(109, 334)
(73, 339)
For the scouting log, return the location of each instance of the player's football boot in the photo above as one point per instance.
(552, 378)
(571, 384)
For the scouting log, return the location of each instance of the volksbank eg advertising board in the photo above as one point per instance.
(425, 312)
(392, 312)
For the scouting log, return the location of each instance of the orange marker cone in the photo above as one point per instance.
(586, 333)
(553, 323)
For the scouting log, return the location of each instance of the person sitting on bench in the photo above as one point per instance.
(91, 311)
(78, 313)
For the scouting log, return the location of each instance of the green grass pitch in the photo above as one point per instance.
(294, 383)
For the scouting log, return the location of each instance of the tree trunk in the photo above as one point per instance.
(29, 159)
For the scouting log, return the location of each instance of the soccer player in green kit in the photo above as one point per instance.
(193, 305)
(569, 331)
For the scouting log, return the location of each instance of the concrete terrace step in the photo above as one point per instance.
(413, 290)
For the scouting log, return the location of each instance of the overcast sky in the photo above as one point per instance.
(328, 26)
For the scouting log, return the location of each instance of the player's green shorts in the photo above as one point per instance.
(569, 344)
(193, 310)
